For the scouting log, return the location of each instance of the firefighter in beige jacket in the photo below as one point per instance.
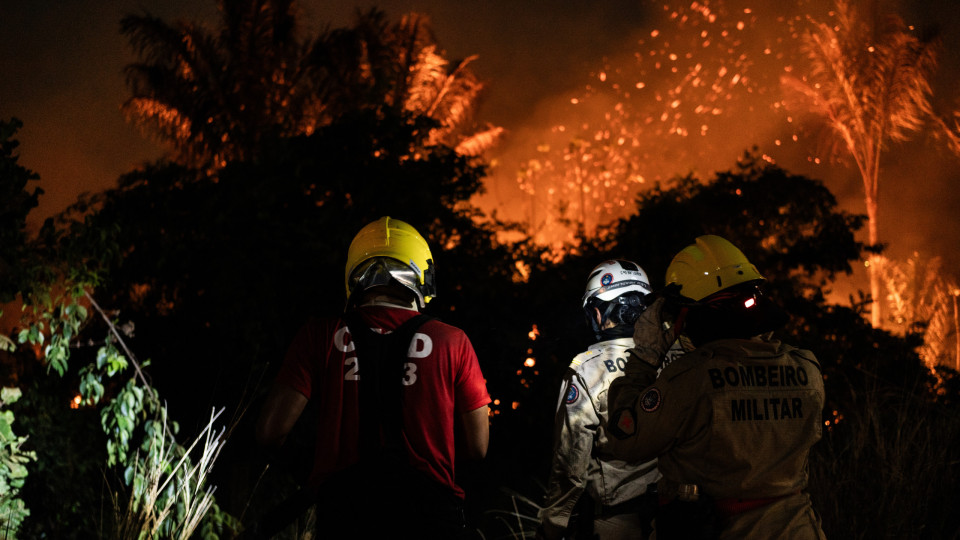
(582, 468)
(732, 421)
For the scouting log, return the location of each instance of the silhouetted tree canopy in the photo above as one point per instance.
(216, 95)
(16, 202)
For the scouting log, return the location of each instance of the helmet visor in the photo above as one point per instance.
(626, 308)
(385, 271)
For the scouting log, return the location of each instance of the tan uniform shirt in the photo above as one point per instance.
(735, 417)
(580, 461)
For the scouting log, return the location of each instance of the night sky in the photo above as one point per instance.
(61, 73)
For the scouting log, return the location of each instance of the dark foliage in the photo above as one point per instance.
(16, 201)
(66, 491)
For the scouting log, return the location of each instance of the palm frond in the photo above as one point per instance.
(427, 79)
(870, 83)
(480, 142)
(213, 95)
(950, 133)
(457, 97)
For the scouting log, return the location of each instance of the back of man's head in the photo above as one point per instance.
(614, 298)
(389, 257)
(721, 292)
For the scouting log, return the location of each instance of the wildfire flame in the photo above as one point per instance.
(698, 88)
(701, 84)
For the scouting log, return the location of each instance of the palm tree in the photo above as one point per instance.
(399, 67)
(215, 97)
(869, 80)
(921, 299)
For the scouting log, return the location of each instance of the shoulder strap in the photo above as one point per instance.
(381, 362)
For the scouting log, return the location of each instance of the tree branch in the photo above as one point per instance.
(126, 350)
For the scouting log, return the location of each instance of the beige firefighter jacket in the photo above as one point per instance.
(734, 417)
(580, 459)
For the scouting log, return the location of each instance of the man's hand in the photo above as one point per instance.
(651, 339)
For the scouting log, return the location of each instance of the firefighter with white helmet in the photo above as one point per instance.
(615, 296)
(392, 387)
(732, 421)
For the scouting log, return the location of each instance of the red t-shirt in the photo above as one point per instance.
(443, 381)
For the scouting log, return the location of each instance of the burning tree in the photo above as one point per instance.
(578, 186)
(869, 80)
(216, 95)
(400, 67)
(920, 299)
(212, 96)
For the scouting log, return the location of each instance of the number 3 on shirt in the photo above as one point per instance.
(353, 371)
(409, 373)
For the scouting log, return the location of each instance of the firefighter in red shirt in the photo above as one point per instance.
(392, 387)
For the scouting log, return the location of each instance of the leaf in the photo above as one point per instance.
(60, 366)
(138, 486)
(10, 395)
(6, 432)
(101, 357)
(111, 453)
(17, 470)
(36, 336)
(117, 363)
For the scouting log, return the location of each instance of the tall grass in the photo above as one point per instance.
(169, 495)
(890, 468)
(513, 517)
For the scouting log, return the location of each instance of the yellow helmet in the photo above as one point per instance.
(390, 251)
(710, 265)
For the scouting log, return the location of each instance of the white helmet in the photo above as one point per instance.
(617, 289)
(610, 279)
